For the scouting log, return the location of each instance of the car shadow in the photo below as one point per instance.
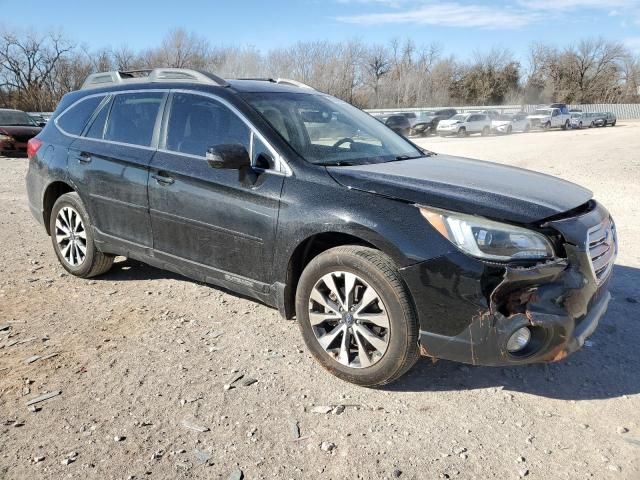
(132, 270)
(608, 366)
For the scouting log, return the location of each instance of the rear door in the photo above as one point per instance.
(220, 221)
(110, 163)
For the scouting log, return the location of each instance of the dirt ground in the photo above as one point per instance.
(143, 357)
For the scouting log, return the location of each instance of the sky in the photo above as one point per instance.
(459, 26)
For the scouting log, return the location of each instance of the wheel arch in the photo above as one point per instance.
(53, 191)
(315, 244)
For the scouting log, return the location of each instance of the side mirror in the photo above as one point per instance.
(230, 156)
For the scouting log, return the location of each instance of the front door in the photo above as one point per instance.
(222, 221)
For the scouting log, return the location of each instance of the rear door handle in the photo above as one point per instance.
(163, 178)
(83, 157)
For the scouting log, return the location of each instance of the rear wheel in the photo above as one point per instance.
(485, 131)
(356, 316)
(509, 130)
(72, 238)
(613, 124)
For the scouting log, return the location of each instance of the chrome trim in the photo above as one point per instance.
(595, 241)
(282, 166)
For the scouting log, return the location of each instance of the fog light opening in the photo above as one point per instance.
(519, 340)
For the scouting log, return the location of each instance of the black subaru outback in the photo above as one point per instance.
(381, 250)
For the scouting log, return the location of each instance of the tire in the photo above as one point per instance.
(485, 131)
(363, 363)
(462, 132)
(527, 128)
(566, 125)
(613, 124)
(70, 215)
(593, 124)
(547, 126)
(509, 130)
(580, 126)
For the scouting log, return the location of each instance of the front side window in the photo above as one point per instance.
(197, 123)
(74, 120)
(133, 118)
(327, 131)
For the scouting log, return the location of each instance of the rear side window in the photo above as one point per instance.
(133, 118)
(74, 120)
(197, 123)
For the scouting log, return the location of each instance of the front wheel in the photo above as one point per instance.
(462, 132)
(72, 238)
(356, 316)
(547, 126)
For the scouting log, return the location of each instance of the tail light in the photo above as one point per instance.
(33, 146)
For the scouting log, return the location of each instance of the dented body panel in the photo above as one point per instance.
(561, 301)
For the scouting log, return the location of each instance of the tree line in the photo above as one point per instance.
(36, 69)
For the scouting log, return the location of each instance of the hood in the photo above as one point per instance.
(20, 131)
(449, 122)
(500, 123)
(539, 117)
(469, 186)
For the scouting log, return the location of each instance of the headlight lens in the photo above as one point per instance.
(5, 138)
(487, 239)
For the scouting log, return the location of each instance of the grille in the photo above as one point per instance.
(603, 248)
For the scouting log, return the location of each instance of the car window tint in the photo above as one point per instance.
(133, 118)
(197, 123)
(96, 130)
(74, 120)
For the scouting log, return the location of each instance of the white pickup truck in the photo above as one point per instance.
(550, 117)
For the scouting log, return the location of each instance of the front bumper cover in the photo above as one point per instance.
(469, 309)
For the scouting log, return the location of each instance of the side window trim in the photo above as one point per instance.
(281, 167)
(154, 143)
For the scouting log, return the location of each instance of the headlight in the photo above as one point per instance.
(6, 138)
(487, 239)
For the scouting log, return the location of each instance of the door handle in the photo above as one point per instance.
(162, 178)
(83, 157)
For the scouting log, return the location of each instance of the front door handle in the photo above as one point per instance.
(163, 178)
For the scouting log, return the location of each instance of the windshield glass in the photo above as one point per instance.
(459, 116)
(542, 112)
(12, 117)
(327, 131)
(505, 116)
(576, 115)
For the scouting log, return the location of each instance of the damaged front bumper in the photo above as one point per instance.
(469, 309)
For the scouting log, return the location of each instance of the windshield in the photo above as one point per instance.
(327, 131)
(505, 117)
(576, 115)
(15, 118)
(542, 112)
(459, 116)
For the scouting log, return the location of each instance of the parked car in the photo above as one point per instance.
(578, 120)
(16, 129)
(604, 119)
(399, 124)
(464, 124)
(427, 122)
(547, 118)
(381, 251)
(511, 122)
(38, 118)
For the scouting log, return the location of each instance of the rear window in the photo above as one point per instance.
(74, 120)
(133, 118)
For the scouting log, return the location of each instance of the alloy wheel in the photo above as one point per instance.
(349, 319)
(71, 236)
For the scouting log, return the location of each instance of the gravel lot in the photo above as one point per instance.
(143, 357)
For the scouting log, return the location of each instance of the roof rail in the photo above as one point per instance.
(295, 83)
(281, 81)
(97, 80)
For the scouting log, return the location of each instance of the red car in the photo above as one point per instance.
(16, 129)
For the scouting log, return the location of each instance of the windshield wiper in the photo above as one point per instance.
(409, 157)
